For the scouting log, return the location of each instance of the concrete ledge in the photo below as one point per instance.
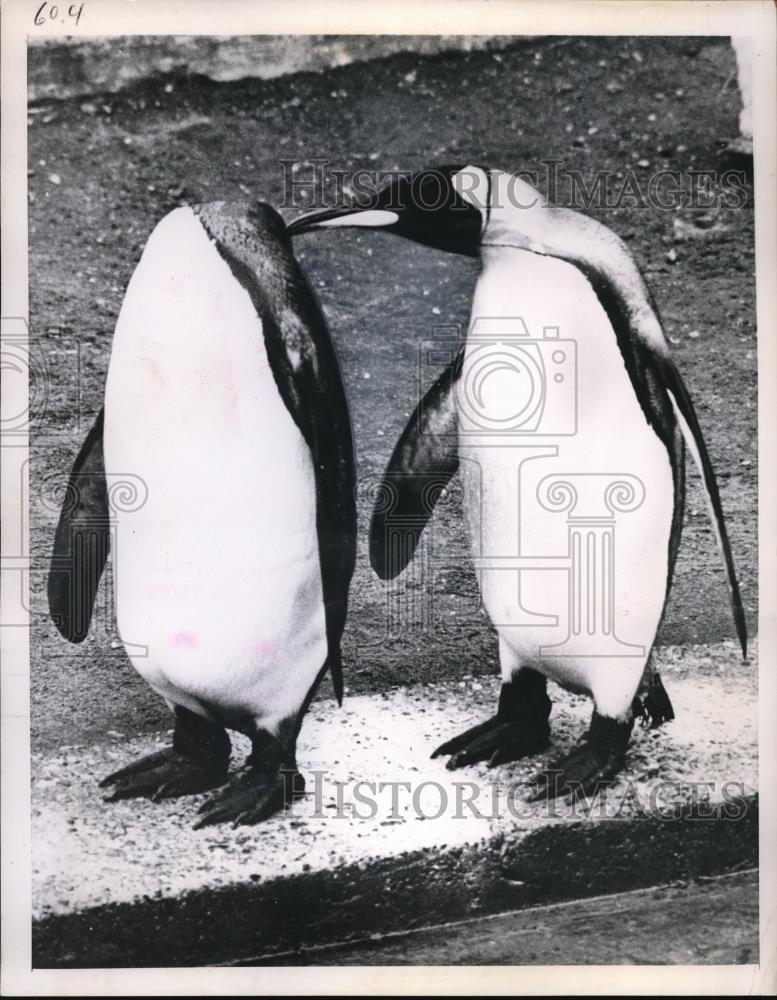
(131, 884)
(718, 917)
(247, 923)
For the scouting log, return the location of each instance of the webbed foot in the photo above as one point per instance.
(163, 775)
(268, 783)
(197, 761)
(252, 796)
(519, 729)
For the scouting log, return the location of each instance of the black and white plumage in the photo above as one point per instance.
(231, 581)
(546, 268)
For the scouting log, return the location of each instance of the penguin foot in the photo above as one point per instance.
(519, 728)
(591, 766)
(164, 775)
(267, 783)
(495, 741)
(197, 761)
(252, 796)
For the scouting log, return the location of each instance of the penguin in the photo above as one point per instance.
(560, 304)
(224, 397)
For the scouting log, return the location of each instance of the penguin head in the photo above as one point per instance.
(442, 207)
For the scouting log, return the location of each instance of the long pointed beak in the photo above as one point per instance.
(372, 218)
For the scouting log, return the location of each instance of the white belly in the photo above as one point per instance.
(217, 576)
(572, 567)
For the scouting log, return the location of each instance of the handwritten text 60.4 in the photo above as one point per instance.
(52, 12)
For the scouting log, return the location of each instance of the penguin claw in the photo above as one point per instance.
(263, 806)
(497, 742)
(251, 797)
(146, 763)
(471, 736)
(163, 775)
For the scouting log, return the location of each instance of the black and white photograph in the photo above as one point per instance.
(381, 498)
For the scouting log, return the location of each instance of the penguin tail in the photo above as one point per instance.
(335, 665)
(689, 424)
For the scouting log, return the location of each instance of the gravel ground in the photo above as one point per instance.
(87, 853)
(103, 168)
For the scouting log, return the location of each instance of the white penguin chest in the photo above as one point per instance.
(217, 576)
(568, 491)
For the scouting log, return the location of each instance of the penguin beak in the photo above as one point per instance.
(424, 207)
(371, 218)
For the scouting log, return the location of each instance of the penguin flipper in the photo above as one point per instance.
(424, 460)
(81, 541)
(689, 424)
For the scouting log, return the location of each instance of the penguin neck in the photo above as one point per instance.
(515, 281)
(597, 253)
